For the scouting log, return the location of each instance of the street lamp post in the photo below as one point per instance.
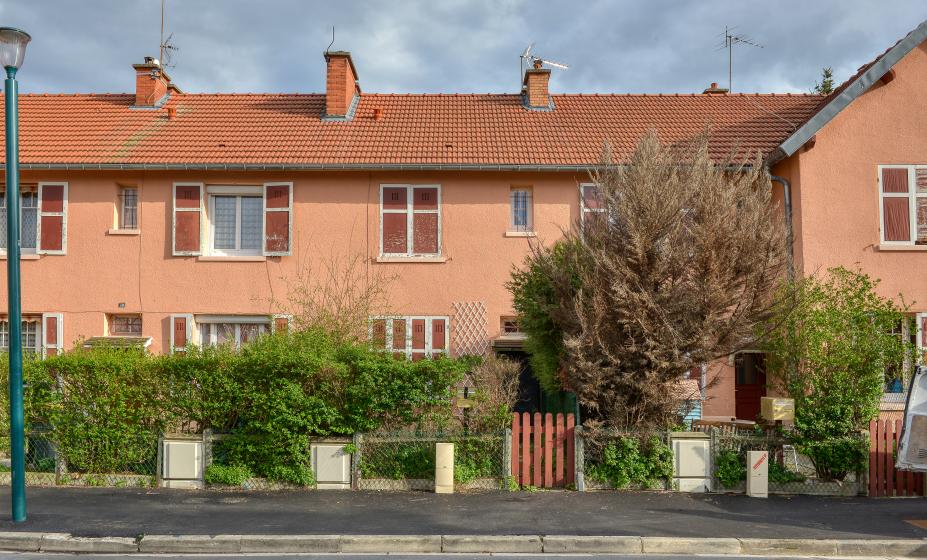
(12, 50)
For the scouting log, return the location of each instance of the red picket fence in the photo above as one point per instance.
(543, 452)
(884, 480)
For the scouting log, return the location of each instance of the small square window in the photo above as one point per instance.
(510, 325)
(126, 325)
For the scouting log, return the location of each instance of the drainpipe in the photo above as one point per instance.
(789, 238)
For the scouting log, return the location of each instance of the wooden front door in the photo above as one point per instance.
(749, 384)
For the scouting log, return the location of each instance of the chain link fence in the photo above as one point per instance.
(790, 472)
(128, 464)
(406, 460)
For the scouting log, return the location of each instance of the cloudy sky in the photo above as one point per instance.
(638, 46)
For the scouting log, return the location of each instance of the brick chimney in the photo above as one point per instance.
(713, 89)
(535, 87)
(341, 86)
(151, 83)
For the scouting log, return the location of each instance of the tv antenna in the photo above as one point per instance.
(167, 46)
(536, 62)
(730, 39)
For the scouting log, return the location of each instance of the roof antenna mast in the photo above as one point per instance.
(167, 46)
(729, 41)
(333, 40)
(535, 62)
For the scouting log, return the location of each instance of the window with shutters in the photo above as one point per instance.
(234, 330)
(128, 208)
(412, 337)
(28, 219)
(903, 204)
(31, 337)
(410, 220)
(235, 224)
(521, 210)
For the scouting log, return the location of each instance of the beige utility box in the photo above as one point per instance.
(182, 462)
(444, 468)
(775, 408)
(691, 461)
(331, 464)
(758, 474)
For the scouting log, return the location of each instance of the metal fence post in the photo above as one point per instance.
(507, 457)
(579, 458)
(358, 441)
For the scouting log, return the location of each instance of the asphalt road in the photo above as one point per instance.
(118, 512)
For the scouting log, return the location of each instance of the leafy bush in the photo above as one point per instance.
(781, 474)
(629, 460)
(397, 459)
(233, 475)
(831, 352)
(730, 468)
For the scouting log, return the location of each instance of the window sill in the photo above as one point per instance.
(24, 256)
(914, 248)
(411, 259)
(239, 258)
(520, 234)
(124, 232)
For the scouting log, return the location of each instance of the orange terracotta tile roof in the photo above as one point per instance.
(102, 130)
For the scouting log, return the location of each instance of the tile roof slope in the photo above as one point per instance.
(415, 130)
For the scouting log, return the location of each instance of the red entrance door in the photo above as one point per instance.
(749, 384)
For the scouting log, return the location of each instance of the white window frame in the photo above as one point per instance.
(410, 212)
(121, 224)
(429, 351)
(112, 322)
(529, 209)
(912, 195)
(288, 209)
(38, 223)
(237, 320)
(175, 209)
(39, 335)
(583, 210)
(64, 219)
(238, 192)
(191, 332)
(59, 318)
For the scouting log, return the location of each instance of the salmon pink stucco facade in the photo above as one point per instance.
(164, 218)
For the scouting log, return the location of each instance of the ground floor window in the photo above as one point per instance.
(30, 335)
(413, 337)
(236, 331)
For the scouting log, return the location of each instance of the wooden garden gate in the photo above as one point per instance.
(543, 452)
(884, 480)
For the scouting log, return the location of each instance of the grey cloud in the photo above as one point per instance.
(455, 45)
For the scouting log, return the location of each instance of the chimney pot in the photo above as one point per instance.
(341, 85)
(377, 113)
(536, 88)
(171, 113)
(713, 89)
(151, 83)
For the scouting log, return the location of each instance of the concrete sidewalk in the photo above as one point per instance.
(96, 512)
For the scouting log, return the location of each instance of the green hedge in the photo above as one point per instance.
(105, 407)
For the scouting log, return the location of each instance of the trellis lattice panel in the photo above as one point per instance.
(469, 328)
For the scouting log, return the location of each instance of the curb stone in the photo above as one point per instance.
(58, 542)
(190, 543)
(560, 544)
(492, 543)
(390, 543)
(682, 545)
(777, 547)
(22, 542)
(291, 543)
(911, 548)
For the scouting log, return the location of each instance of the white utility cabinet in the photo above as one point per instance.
(691, 461)
(182, 463)
(331, 464)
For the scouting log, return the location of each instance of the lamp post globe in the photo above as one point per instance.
(12, 51)
(13, 47)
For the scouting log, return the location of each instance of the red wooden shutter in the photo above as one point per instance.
(52, 204)
(894, 180)
(178, 333)
(51, 327)
(378, 334)
(418, 339)
(425, 224)
(895, 218)
(277, 218)
(399, 338)
(438, 334)
(187, 214)
(281, 324)
(395, 224)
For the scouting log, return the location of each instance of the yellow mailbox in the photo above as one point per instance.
(775, 408)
